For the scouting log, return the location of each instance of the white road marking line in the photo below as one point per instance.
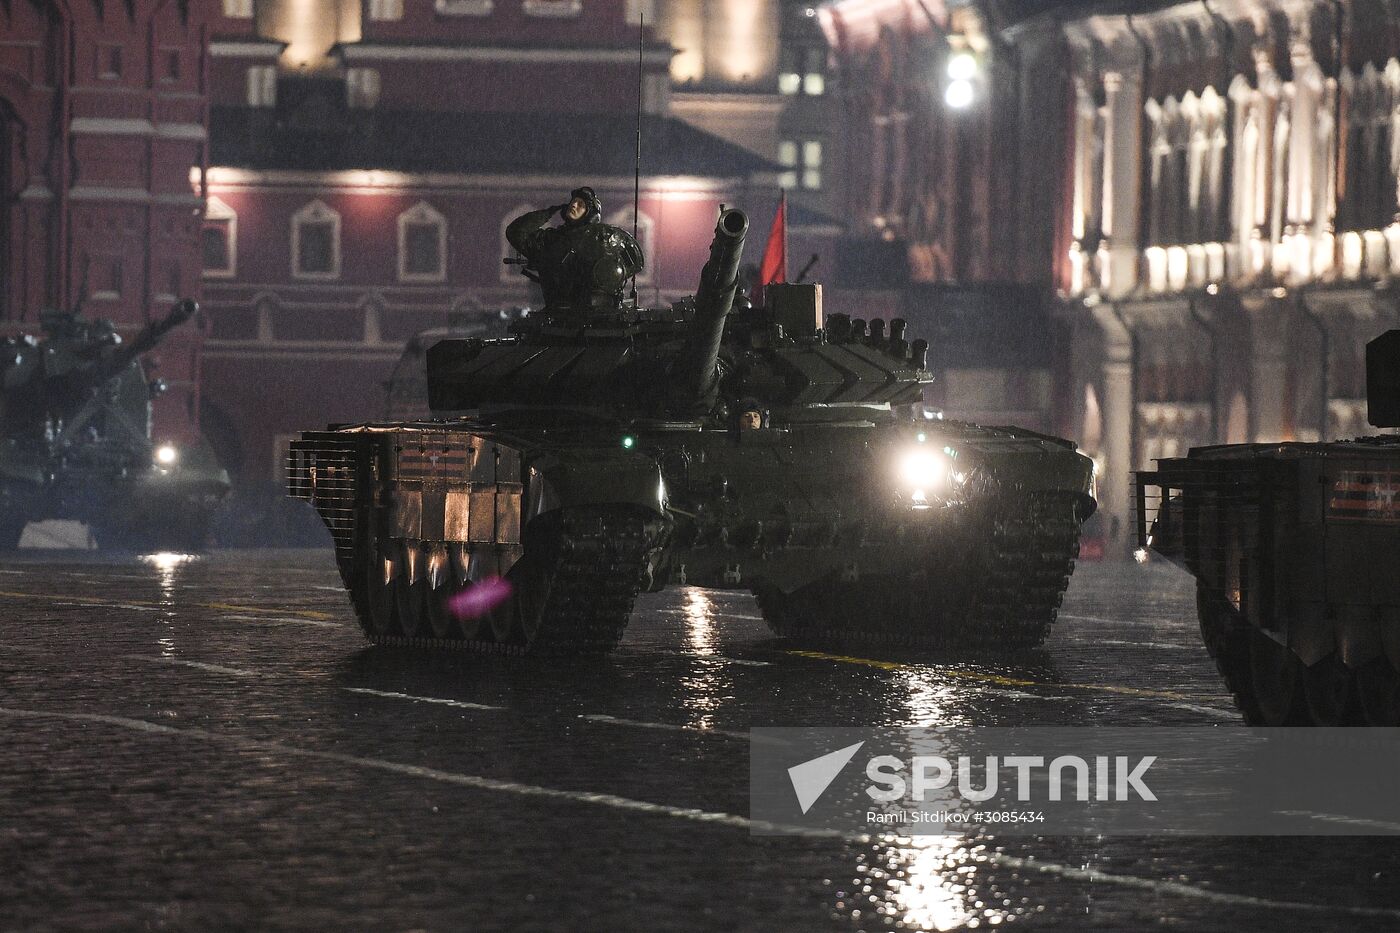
(665, 726)
(286, 620)
(437, 701)
(198, 665)
(709, 817)
(1343, 820)
(1128, 643)
(440, 701)
(1073, 617)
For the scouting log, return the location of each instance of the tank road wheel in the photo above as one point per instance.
(1227, 640)
(443, 621)
(786, 613)
(411, 598)
(1276, 675)
(381, 589)
(1378, 693)
(1329, 693)
(1003, 597)
(438, 599)
(572, 590)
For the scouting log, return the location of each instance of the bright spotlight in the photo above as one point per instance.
(923, 469)
(962, 66)
(166, 455)
(959, 94)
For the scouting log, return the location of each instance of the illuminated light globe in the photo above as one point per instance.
(962, 66)
(922, 469)
(166, 455)
(959, 94)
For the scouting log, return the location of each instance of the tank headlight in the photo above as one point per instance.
(166, 455)
(923, 470)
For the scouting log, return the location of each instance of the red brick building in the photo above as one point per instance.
(102, 147)
(365, 162)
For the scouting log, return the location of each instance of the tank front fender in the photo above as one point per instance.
(566, 479)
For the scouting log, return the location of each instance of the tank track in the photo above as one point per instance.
(1003, 594)
(573, 589)
(1271, 686)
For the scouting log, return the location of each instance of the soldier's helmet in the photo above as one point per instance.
(595, 206)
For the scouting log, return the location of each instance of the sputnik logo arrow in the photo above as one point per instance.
(811, 778)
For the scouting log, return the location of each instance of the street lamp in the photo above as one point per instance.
(959, 94)
(962, 70)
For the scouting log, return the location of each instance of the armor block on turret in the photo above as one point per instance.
(798, 307)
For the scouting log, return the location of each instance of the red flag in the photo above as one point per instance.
(774, 268)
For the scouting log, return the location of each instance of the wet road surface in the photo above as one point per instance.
(207, 743)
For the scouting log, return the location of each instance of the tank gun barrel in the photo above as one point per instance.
(146, 339)
(694, 382)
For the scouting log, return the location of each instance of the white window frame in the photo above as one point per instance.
(362, 88)
(463, 7)
(646, 238)
(318, 212)
(552, 9)
(797, 170)
(262, 86)
(422, 213)
(385, 10)
(216, 209)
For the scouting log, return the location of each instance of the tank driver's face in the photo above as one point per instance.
(576, 209)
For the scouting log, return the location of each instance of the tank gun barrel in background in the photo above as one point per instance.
(146, 339)
(694, 378)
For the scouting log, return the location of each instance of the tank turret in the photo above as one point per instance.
(76, 438)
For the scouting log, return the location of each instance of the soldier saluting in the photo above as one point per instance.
(582, 263)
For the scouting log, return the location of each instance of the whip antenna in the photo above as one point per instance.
(637, 162)
(637, 165)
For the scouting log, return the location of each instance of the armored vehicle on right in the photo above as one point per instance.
(1294, 548)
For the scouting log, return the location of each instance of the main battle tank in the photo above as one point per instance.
(75, 438)
(1298, 604)
(606, 448)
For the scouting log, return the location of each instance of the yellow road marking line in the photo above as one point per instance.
(229, 607)
(997, 679)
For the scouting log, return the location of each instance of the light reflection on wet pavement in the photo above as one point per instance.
(207, 743)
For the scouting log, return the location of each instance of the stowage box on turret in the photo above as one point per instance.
(606, 448)
(1299, 603)
(76, 443)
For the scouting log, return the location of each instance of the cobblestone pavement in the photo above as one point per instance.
(207, 744)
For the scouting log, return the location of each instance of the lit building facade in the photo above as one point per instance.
(363, 172)
(101, 134)
(951, 193)
(1232, 225)
(1192, 204)
(756, 73)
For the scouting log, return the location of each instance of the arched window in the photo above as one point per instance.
(646, 237)
(316, 242)
(219, 236)
(1368, 195)
(422, 244)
